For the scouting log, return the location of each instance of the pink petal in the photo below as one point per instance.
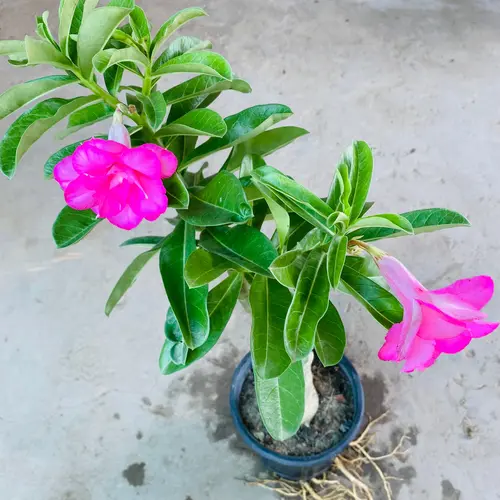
(389, 351)
(64, 172)
(108, 146)
(453, 306)
(88, 159)
(116, 198)
(437, 325)
(142, 160)
(421, 355)
(403, 284)
(167, 159)
(150, 201)
(475, 292)
(119, 133)
(454, 345)
(79, 196)
(478, 329)
(126, 219)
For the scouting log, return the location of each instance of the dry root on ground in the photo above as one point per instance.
(349, 475)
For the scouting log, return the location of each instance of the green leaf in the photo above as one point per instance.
(330, 340)
(337, 252)
(204, 63)
(379, 302)
(359, 160)
(279, 182)
(270, 141)
(246, 246)
(83, 8)
(177, 193)
(188, 304)
(140, 24)
(155, 108)
(43, 29)
(143, 240)
(367, 206)
(423, 221)
(109, 57)
(281, 401)
(72, 225)
(24, 93)
(203, 85)
(340, 190)
(66, 13)
(113, 78)
(221, 302)
(96, 30)
(309, 305)
(127, 279)
(313, 239)
(48, 169)
(202, 267)
(298, 229)
(43, 52)
(196, 122)
(287, 267)
(241, 127)
(390, 221)
(173, 24)
(31, 125)
(222, 201)
(9, 47)
(269, 302)
(86, 117)
(181, 45)
(280, 215)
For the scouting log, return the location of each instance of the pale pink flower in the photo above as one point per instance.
(434, 322)
(119, 183)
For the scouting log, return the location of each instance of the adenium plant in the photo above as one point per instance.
(216, 253)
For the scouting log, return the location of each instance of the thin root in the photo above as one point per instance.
(346, 478)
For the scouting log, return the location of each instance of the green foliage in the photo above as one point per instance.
(31, 125)
(128, 278)
(72, 225)
(196, 122)
(319, 244)
(245, 246)
(241, 127)
(281, 401)
(308, 306)
(188, 304)
(330, 341)
(19, 95)
(270, 302)
(220, 302)
(222, 201)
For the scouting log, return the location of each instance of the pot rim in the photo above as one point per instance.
(359, 405)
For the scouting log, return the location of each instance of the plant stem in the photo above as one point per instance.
(310, 394)
(146, 86)
(105, 96)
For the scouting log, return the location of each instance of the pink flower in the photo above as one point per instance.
(119, 183)
(434, 322)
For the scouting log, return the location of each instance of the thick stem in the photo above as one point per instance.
(310, 394)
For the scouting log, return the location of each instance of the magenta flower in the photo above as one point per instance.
(434, 322)
(119, 183)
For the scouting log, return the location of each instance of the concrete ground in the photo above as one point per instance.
(84, 413)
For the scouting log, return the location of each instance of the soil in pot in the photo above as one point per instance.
(330, 424)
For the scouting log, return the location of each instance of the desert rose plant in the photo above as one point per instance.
(151, 158)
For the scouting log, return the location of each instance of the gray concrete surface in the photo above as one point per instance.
(84, 413)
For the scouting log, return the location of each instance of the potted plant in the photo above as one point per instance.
(217, 251)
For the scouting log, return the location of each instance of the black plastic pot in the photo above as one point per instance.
(296, 468)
